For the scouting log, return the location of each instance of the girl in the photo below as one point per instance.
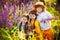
(36, 25)
(44, 18)
(25, 27)
(22, 27)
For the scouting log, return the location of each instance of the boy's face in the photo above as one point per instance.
(39, 9)
(32, 16)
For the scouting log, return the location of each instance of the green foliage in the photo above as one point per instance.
(4, 35)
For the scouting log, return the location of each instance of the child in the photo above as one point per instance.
(44, 18)
(35, 23)
(22, 27)
(25, 27)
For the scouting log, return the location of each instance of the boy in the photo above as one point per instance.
(44, 18)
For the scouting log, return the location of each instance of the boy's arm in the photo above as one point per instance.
(49, 17)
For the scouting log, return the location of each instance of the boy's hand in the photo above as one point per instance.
(55, 18)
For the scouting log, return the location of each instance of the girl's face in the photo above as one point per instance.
(39, 9)
(24, 19)
(32, 16)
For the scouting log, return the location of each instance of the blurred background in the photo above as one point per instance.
(12, 10)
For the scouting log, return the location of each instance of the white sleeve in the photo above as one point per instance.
(49, 15)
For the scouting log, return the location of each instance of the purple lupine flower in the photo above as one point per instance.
(5, 14)
(28, 1)
(13, 9)
(0, 24)
(27, 8)
(22, 7)
(31, 5)
(20, 2)
(7, 4)
(0, 19)
(34, 1)
(10, 24)
(6, 18)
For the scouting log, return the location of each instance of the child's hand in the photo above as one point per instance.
(55, 18)
(49, 19)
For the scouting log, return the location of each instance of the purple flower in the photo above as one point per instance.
(27, 8)
(6, 18)
(0, 18)
(10, 24)
(5, 14)
(0, 24)
(22, 7)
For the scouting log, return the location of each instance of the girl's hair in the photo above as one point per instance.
(26, 16)
(33, 12)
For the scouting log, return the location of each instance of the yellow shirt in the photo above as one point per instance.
(37, 25)
(37, 28)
